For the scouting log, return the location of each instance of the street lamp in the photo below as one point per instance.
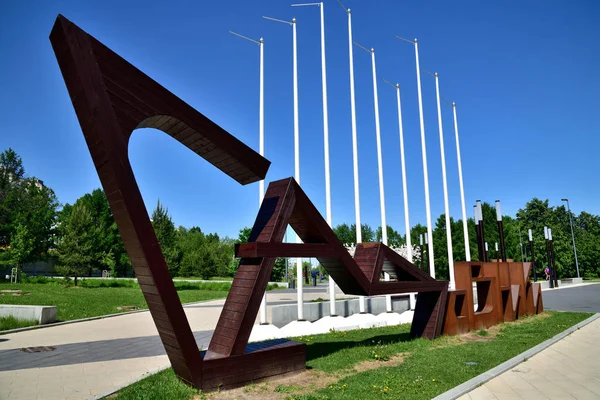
(261, 116)
(292, 23)
(572, 235)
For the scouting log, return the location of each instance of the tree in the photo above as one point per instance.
(395, 239)
(11, 168)
(165, 233)
(76, 248)
(24, 201)
(22, 246)
(347, 234)
(109, 242)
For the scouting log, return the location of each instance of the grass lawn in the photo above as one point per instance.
(95, 297)
(380, 363)
(7, 323)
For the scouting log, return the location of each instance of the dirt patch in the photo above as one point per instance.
(369, 365)
(127, 308)
(13, 292)
(297, 384)
(277, 388)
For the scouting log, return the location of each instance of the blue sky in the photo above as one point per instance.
(523, 74)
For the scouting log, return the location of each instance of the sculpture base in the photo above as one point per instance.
(260, 361)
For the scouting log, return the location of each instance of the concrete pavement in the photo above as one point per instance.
(569, 369)
(88, 358)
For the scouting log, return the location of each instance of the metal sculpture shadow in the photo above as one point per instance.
(112, 98)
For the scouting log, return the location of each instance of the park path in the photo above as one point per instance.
(569, 369)
(93, 357)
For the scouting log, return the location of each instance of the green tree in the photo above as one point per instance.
(347, 233)
(22, 246)
(395, 239)
(109, 242)
(77, 246)
(166, 235)
(25, 201)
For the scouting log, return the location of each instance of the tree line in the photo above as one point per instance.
(83, 236)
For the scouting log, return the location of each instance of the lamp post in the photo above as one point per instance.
(548, 257)
(532, 256)
(261, 124)
(361, 299)
(521, 245)
(554, 272)
(478, 233)
(487, 257)
(482, 230)
(572, 235)
(384, 236)
(444, 181)
(429, 242)
(332, 310)
(292, 23)
(500, 231)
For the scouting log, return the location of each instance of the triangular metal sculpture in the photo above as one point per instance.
(112, 98)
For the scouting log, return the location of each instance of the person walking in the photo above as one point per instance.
(314, 276)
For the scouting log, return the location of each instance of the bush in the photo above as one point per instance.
(36, 279)
(110, 283)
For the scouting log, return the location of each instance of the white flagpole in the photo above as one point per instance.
(361, 299)
(462, 189)
(404, 183)
(445, 186)
(424, 156)
(261, 124)
(384, 236)
(299, 291)
(332, 310)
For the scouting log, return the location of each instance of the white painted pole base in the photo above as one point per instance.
(332, 297)
(412, 301)
(361, 304)
(299, 289)
(263, 310)
(388, 298)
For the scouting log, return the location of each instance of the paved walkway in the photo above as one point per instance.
(569, 369)
(95, 356)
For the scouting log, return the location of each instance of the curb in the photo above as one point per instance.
(131, 382)
(74, 321)
(479, 380)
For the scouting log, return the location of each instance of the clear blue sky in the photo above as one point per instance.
(523, 73)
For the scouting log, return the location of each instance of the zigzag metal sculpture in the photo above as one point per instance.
(111, 99)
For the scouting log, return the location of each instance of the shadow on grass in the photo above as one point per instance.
(324, 349)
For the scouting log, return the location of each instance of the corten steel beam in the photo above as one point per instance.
(111, 99)
(286, 204)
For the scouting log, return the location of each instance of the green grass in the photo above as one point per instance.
(320, 299)
(10, 322)
(95, 297)
(429, 367)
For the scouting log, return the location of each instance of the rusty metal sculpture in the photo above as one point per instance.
(504, 293)
(112, 98)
